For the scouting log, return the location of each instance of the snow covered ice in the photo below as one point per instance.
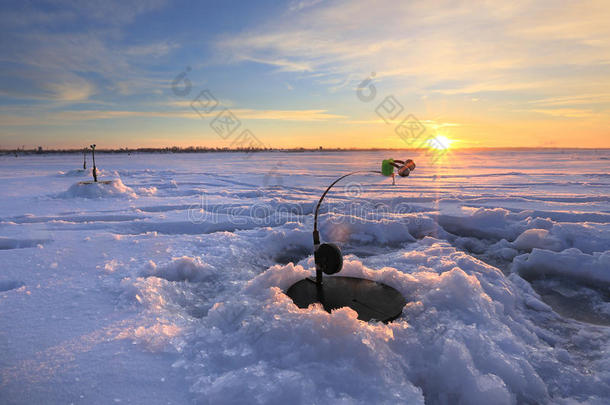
(166, 285)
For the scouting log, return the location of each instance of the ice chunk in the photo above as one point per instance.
(537, 238)
(181, 269)
(571, 263)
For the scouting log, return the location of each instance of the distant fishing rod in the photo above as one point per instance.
(94, 168)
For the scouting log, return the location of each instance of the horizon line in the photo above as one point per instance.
(195, 149)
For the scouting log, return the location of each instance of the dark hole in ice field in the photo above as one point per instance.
(292, 254)
(196, 298)
(590, 304)
(198, 312)
(363, 251)
(570, 299)
(8, 243)
(7, 285)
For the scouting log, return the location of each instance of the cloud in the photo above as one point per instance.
(567, 112)
(431, 124)
(111, 11)
(602, 98)
(154, 49)
(29, 83)
(284, 65)
(37, 14)
(493, 86)
(75, 50)
(302, 4)
(42, 117)
(287, 115)
(74, 90)
(526, 46)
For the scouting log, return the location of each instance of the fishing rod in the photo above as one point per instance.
(370, 299)
(327, 255)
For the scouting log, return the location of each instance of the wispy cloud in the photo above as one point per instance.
(303, 4)
(567, 112)
(45, 61)
(153, 49)
(601, 98)
(111, 12)
(67, 117)
(288, 115)
(283, 65)
(431, 124)
(76, 89)
(489, 47)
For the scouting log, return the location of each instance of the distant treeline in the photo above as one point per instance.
(176, 149)
(201, 149)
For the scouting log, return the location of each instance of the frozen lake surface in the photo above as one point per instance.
(166, 285)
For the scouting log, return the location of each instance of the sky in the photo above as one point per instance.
(384, 74)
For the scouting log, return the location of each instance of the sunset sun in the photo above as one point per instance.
(440, 142)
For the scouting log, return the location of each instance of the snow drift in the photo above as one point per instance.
(115, 188)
